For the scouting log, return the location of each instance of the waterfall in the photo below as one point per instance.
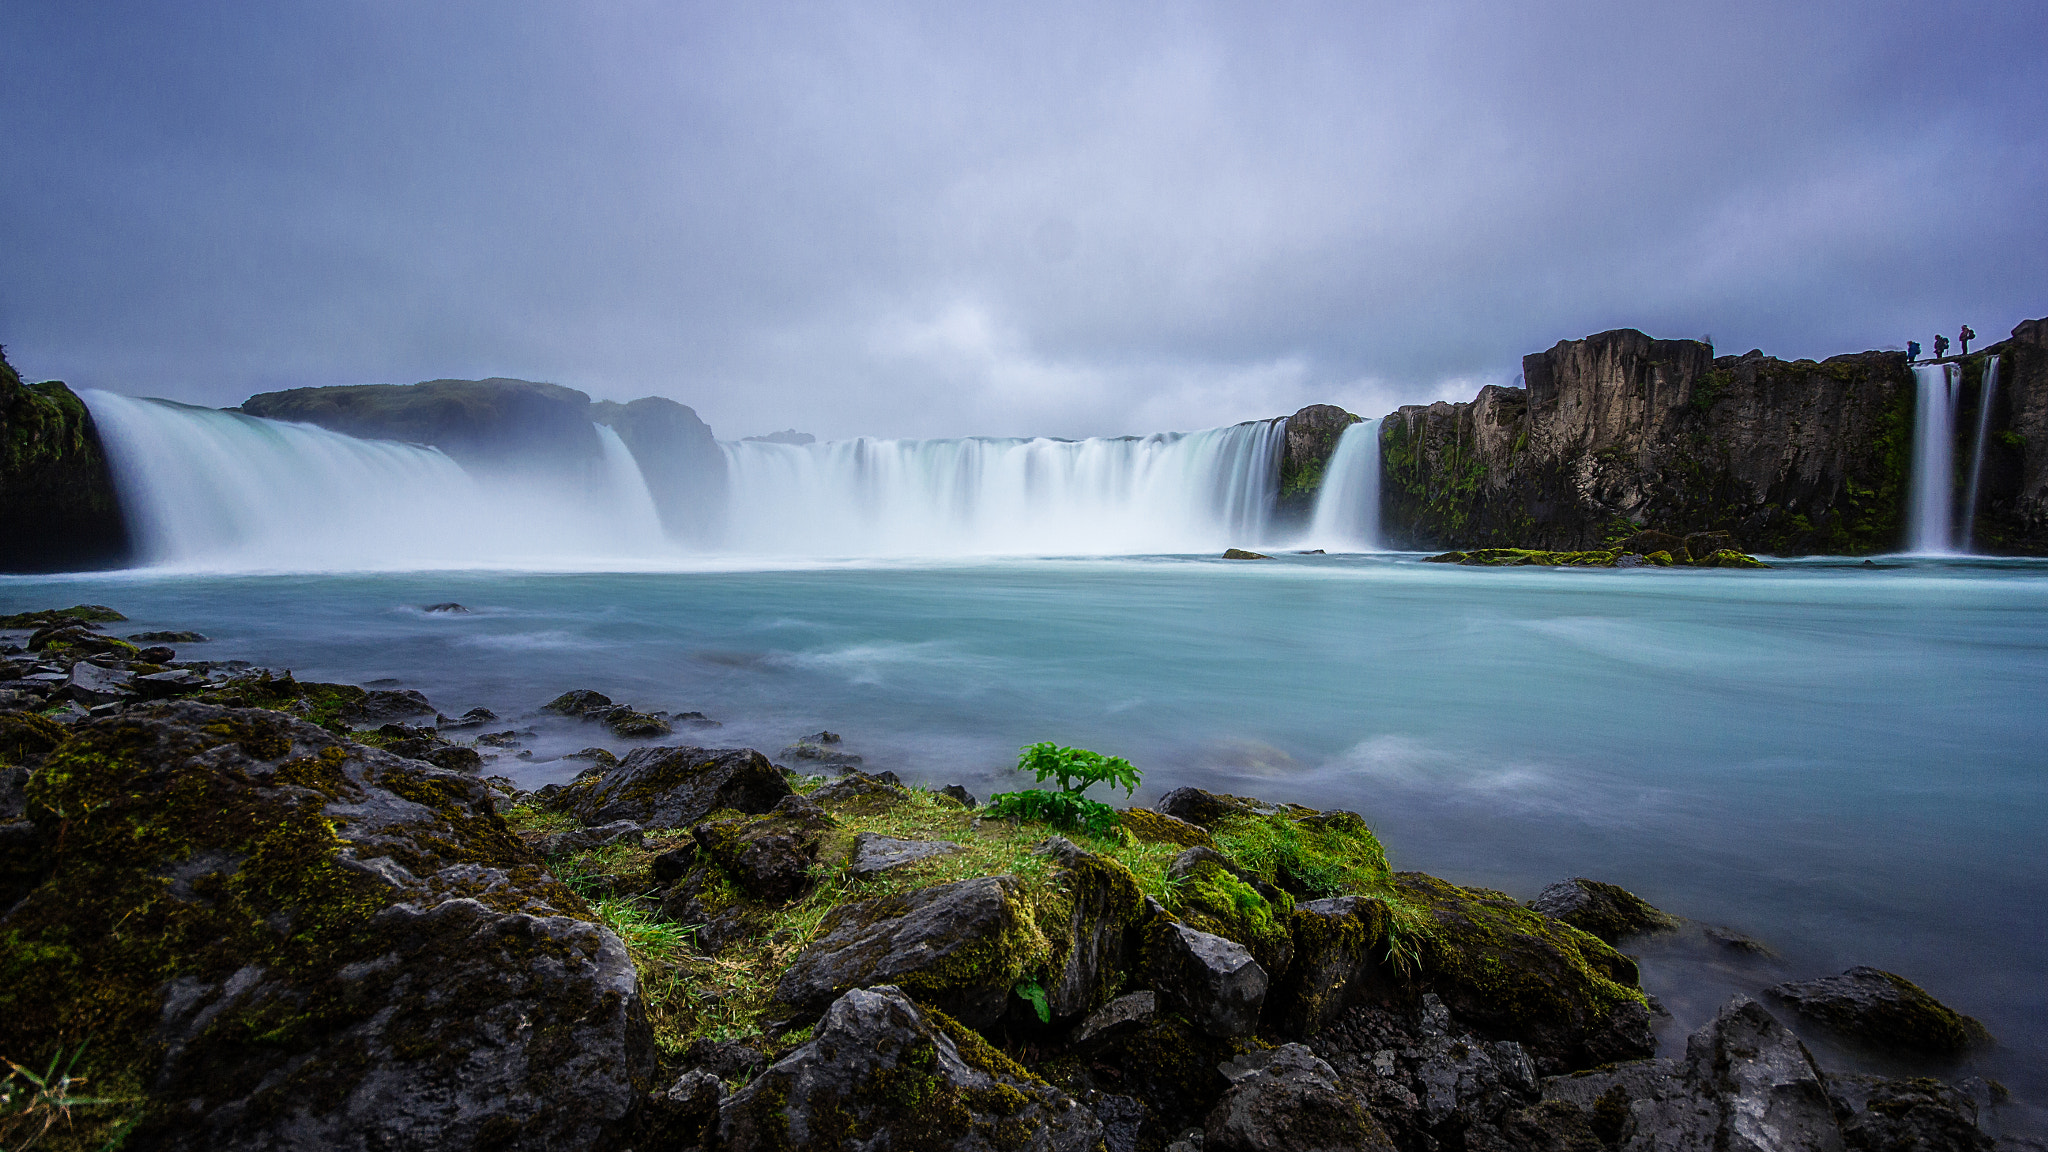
(1347, 511)
(1986, 390)
(1169, 492)
(1930, 505)
(204, 488)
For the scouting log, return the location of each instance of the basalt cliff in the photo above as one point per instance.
(1620, 431)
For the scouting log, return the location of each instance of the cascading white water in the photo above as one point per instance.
(1930, 503)
(1347, 510)
(1170, 492)
(1986, 392)
(204, 488)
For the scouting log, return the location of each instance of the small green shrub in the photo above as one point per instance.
(1068, 810)
(1077, 768)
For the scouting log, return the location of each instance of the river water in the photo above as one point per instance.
(1845, 762)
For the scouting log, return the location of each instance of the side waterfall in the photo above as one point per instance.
(1170, 492)
(204, 488)
(1347, 511)
(1930, 504)
(1986, 392)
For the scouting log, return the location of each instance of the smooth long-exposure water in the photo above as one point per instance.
(1845, 762)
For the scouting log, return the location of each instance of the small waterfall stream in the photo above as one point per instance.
(1930, 502)
(1347, 509)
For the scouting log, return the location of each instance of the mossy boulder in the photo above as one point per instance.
(26, 737)
(1211, 895)
(1087, 913)
(675, 787)
(1514, 974)
(1151, 827)
(961, 947)
(1311, 854)
(275, 938)
(1338, 946)
(769, 857)
(1211, 981)
(76, 614)
(860, 794)
(1288, 1098)
(1885, 1011)
(880, 1071)
(1608, 911)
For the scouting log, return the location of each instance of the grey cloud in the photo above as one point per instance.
(899, 219)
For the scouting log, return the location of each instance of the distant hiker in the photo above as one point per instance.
(1912, 350)
(1966, 336)
(1940, 347)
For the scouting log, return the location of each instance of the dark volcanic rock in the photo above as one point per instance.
(1882, 1010)
(1214, 981)
(676, 787)
(1242, 554)
(1431, 1082)
(1312, 435)
(859, 792)
(1202, 808)
(770, 857)
(959, 946)
(1335, 965)
(882, 1073)
(1920, 1115)
(1103, 903)
(168, 638)
(874, 854)
(301, 942)
(384, 704)
(1515, 974)
(965, 797)
(495, 424)
(1605, 910)
(450, 607)
(577, 702)
(628, 724)
(58, 507)
(90, 684)
(683, 464)
(585, 839)
(1286, 1099)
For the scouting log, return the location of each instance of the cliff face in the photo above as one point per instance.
(1312, 435)
(2012, 505)
(684, 467)
(503, 425)
(1619, 431)
(58, 510)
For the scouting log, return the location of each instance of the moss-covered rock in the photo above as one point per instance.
(882, 1072)
(1087, 912)
(76, 614)
(770, 857)
(961, 947)
(1338, 947)
(58, 507)
(1606, 910)
(1885, 1011)
(675, 787)
(273, 937)
(1518, 975)
(1308, 853)
(1158, 828)
(1210, 895)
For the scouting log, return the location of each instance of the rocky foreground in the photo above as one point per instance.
(258, 913)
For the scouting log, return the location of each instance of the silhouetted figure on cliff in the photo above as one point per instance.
(1966, 335)
(1940, 347)
(1912, 351)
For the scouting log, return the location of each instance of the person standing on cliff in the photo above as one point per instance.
(1966, 336)
(1912, 351)
(1940, 347)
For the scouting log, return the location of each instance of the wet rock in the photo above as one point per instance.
(726, 1059)
(585, 839)
(577, 702)
(1285, 1099)
(1203, 808)
(1427, 1079)
(676, 787)
(809, 752)
(874, 854)
(770, 858)
(1605, 910)
(25, 737)
(821, 737)
(960, 794)
(1211, 894)
(685, 1114)
(1920, 1114)
(75, 641)
(1214, 981)
(601, 757)
(1514, 974)
(418, 978)
(1123, 1015)
(694, 720)
(168, 638)
(1735, 941)
(90, 684)
(959, 946)
(875, 1053)
(627, 724)
(474, 718)
(1241, 554)
(449, 607)
(1884, 1011)
(390, 704)
(157, 655)
(673, 864)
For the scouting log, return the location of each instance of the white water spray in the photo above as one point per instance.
(209, 489)
(1347, 511)
(1930, 505)
(1171, 492)
(1986, 391)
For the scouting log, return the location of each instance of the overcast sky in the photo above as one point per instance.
(949, 218)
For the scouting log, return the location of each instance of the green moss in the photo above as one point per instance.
(1312, 856)
(1210, 899)
(1150, 827)
(24, 735)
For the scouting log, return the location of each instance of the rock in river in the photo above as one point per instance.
(1885, 1011)
(675, 787)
